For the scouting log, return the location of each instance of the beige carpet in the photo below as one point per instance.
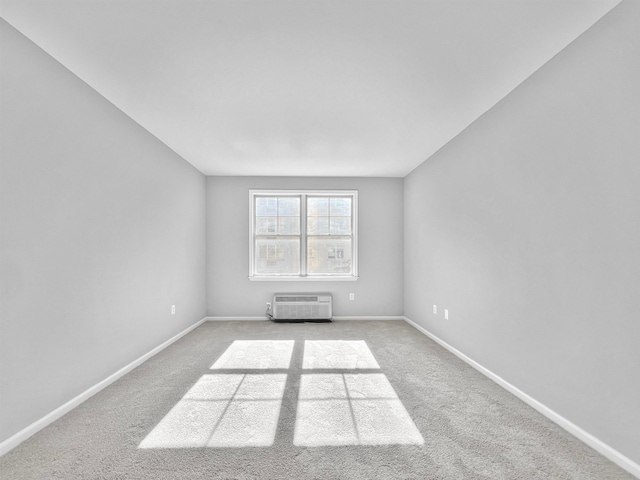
(345, 400)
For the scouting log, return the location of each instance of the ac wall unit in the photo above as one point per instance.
(302, 307)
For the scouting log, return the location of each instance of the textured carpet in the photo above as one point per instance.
(345, 400)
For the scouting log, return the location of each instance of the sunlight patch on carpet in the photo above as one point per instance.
(344, 354)
(256, 354)
(351, 409)
(223, 411)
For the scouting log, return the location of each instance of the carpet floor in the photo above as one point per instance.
(343, 400)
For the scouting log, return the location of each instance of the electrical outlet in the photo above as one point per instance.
(173, 309)
(268, 307)
(446, 314)
(435, 309)
(352, 296)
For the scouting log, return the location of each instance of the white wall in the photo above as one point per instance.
(527, 228)
(102, 229)
(377, 292)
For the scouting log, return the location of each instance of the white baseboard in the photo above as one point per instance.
(595, 443)
(253, 319)
(35, 427)
(230, 319)
(388, 317)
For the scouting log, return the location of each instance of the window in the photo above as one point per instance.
(308, 235)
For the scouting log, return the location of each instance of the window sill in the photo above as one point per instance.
(303, 279)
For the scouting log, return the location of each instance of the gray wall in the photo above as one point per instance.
(527, 228)
(377, 292)
(102, 230)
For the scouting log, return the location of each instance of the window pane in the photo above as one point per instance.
(340, 225)
(289, 225)
(317, 206)
(340, 207)
(329, 255)
(266, 225)
(289, 206)
(277, 256)
(318, 225)
(266, 206)
(329, 228)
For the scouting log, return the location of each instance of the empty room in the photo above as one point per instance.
(320, 239)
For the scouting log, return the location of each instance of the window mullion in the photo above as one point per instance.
(303, 235)
(252, 229)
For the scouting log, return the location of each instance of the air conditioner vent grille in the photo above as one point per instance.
(302, 306)
(297, 299)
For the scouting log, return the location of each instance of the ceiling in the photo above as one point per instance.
(304, 87)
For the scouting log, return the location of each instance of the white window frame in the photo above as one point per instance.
(303, 194)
